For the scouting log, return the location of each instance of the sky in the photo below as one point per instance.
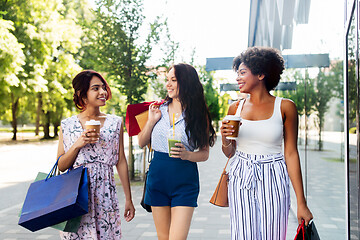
(214, 28)
(324, 31)
(220, 28)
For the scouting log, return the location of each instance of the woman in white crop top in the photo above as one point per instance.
(259, 198)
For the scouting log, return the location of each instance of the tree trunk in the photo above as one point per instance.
(14, 108)
(38, 113)
(299, 130)
(47, 126)
(131, 161)
(56, 129)
(320, 146)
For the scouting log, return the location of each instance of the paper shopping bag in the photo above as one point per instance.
(141, 119)
(55, 199)
(312, 232)
(130, 121)
(71, 225)
(136, 117)
(308, 232)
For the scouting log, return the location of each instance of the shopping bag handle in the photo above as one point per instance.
(302, 227)
(54, 168)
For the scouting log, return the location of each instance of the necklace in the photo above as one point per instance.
(89, 117)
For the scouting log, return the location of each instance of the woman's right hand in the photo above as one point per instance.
(87, 136)
(154, 112)
(226, 129)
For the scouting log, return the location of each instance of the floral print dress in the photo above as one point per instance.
(103, 219)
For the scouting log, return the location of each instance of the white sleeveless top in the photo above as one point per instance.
(261, 137)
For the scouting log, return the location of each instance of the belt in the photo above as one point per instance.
(250, 167)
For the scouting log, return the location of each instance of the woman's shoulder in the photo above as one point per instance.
(233, 106)
(69, 120)
(288, 106)
(113, 117)
(287, 103)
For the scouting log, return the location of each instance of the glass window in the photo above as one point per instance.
(352, 123)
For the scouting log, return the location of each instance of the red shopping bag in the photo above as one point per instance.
(136, 117)
(300, 232)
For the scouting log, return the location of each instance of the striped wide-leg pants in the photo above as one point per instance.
(259, 197)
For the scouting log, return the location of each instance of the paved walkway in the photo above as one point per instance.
(20, 163)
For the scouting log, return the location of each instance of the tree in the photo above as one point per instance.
(12, 59)
(50, 36)
(303, 96)
(158, 81)
(211, 95)
(65, 41)
(324, 93)
(27, 16)
(118, 53)
(169, 47)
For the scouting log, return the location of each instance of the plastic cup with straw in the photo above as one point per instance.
(173, 138)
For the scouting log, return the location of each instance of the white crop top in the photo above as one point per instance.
(261, 137)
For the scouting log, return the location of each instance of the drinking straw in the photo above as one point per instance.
(174, 125)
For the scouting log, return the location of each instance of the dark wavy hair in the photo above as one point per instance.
(262, 60)
(199, 129)
(81, 84)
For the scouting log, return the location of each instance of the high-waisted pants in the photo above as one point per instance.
(259, 197)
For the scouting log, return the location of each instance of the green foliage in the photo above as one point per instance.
(115, 31)
(44, 43)
(224, 101)
(169, 47)
(12, 57)
(50, 37)
(304, 94)
(324, 93)
(211, 95)
(158, 81)
(314, 95)
(352, 68)
(111, 45)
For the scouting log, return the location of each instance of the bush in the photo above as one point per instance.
(352, 130)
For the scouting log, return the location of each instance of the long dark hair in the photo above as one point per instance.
(199, 129)
(81, 84)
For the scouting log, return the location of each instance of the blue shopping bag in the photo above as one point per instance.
(55, 199)
(71, 225)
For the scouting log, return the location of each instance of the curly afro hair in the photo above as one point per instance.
(262, 60)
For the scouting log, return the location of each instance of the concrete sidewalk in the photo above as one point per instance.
(209, 222)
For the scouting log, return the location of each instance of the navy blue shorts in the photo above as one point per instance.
(172, 182)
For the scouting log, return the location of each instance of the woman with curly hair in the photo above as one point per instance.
(172, 186)
(259, 195)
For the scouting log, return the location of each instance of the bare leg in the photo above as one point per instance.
(162, 217)
(180, 222)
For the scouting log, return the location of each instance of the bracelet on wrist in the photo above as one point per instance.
(226, 145)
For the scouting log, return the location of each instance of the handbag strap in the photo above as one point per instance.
(226, 164)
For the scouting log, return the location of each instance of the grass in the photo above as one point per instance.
(135, 182)
(352, 160)
(25, 129)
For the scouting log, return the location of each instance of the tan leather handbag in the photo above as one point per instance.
(220, 196)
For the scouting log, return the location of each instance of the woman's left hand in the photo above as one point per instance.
(303, 212)
(129, 213)
(179, 152)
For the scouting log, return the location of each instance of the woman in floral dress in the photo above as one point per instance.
(99, 153)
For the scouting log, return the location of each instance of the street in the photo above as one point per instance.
(22, 161)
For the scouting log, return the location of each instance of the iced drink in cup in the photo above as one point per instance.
(172, 139)
(93, 124)
(235, 121)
